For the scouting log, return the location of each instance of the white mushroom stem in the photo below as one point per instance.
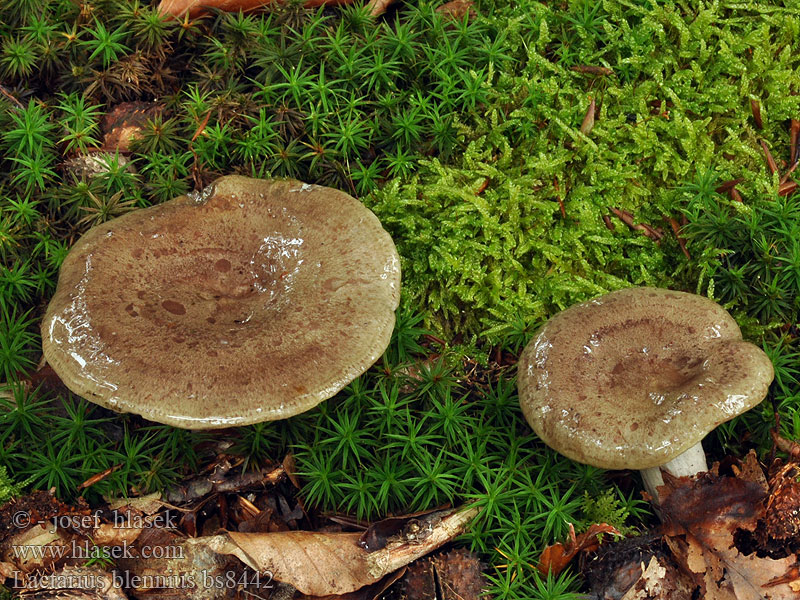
(689, 463)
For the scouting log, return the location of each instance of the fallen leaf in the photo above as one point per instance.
(323, 564)
(38, 547)
(290, 468)
(701, 516)
(556, 557)
(109, 534)
(145, 505)
(659, 581)
(378, 7)
(370, 592)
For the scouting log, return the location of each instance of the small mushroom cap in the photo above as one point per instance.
(634, 378)
(252, 301)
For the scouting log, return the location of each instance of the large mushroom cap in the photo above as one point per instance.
(634, 378)
(253, 301)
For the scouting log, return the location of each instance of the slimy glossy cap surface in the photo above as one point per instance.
(634, 378)
(252, 301)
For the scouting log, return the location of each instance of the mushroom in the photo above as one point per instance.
(635, 379)
(252, 301)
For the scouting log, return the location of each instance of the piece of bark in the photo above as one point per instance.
(460, 575)
(592, 70)
(419, 582)
(455, 575)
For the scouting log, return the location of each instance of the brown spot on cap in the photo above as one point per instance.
(244, 267)
(667, 367)
(176, 308)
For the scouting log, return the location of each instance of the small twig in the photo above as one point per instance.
(648, 230)
(202, 126)
(608, 222)
(786, 175)
(10, 96)
(652, 232)
(435, 339)
(727, 185)
(784, 445)
(588, 120)
(592, 70)
(482, 187)
(624, 216)
(98, 477)
(755, 108)
(773, 168)
(787, 188)
(795, 132)
(735, 195)
(676, 229)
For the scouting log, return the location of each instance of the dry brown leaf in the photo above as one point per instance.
(317, 564)
(554, 558)
(323, 564)
(43, 544)
(700, 518)
(370, 592)
(378, 7)
(290, 468)
(145, 505)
